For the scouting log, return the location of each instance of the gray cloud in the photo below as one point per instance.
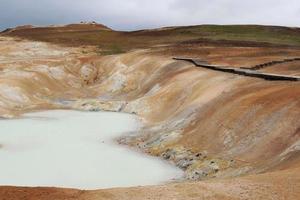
(138, 14)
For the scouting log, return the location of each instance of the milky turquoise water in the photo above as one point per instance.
(75, 150)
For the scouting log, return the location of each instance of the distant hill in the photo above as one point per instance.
(91, 33)
(88, 26)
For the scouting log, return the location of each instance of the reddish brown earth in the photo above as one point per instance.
(236, 137)
(278, 185)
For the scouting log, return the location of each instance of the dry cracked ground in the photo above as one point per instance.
(235, 137)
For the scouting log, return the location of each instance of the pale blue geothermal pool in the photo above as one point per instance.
(75, 149)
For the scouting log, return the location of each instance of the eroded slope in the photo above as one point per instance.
(211, 124)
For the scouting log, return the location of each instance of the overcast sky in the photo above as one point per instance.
(138, 14)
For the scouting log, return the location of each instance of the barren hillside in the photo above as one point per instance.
(236, 137)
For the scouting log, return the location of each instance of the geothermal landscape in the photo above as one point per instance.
(91, 113)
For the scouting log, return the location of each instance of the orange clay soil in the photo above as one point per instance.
(235, 137)
(269, 186)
